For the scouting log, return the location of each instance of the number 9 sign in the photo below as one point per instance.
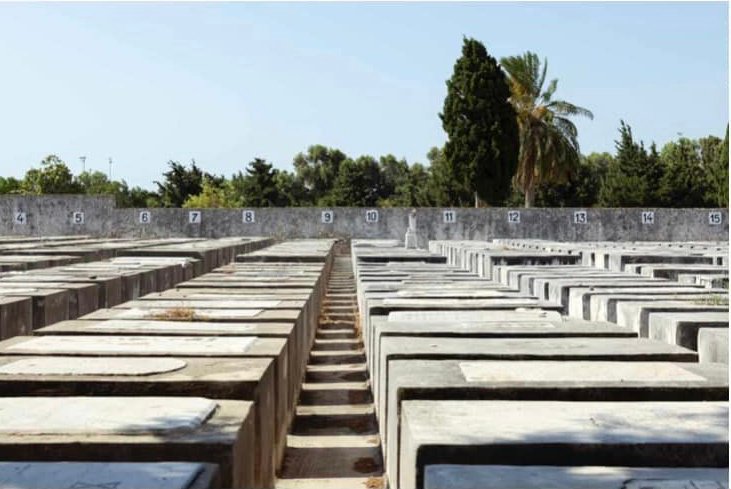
(327, 217)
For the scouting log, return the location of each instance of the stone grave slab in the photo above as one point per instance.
(635, 315)
(681, 328)
(552, 477)
(119, 475)
(508, 328)
(542, 381)
(92, 429)
(244, 379)
(512, 349)
(286, 381)
(637, 434)
(603, 307)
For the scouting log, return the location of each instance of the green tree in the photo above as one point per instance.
(137, 197)
(318, 169)
(53, 177)
(10, 185)
(482, 147)
(631, 179)
(97, 183)
(440, 185)
(684, 182)
(291, 190)
(394, 179)
(582, 188)
(179, 183)
(358, 183)
(549, 145)
(260, 185)
(212, 195)
(717, 171)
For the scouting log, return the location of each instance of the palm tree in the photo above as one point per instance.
(549, 146)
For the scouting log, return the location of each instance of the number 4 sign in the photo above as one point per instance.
(20, 218)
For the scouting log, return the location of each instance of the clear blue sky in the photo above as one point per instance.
(223, 83)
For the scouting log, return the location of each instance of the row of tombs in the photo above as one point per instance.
(179, 364)
(537, 365)
(159, 364)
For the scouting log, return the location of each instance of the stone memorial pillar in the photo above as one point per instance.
(411, 241)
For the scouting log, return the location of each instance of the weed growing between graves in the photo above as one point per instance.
(713, 300)
(175, 314)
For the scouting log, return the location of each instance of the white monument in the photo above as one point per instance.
(411, 241)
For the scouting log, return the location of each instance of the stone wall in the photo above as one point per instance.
(59, 215)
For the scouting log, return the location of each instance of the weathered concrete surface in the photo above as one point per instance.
(681, 328)
(512, 349)
(548, 477)
(636, 315)
(663, 434)
(502, 327)
(91, 429)
(542, 381)
(49, 215)
(713, 345)
(16, 316)
(120, 475)
(247, 379)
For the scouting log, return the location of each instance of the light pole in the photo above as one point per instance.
(110, 169)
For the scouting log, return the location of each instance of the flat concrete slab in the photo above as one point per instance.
(513, 349)
(541, 381)
(198, 314)
(89, 366)
(567, 328)
(211, 304)
(544, 432)
(140, 345)
(551, 477)
(44, 416)
(119, 475)
(125, 429)
(481, 316)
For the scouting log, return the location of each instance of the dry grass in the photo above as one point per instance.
(374, 483)
(175, 314)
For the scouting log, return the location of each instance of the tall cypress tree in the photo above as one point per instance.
(627, 183)
(482, 150)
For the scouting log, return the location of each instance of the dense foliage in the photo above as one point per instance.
(481, 152)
